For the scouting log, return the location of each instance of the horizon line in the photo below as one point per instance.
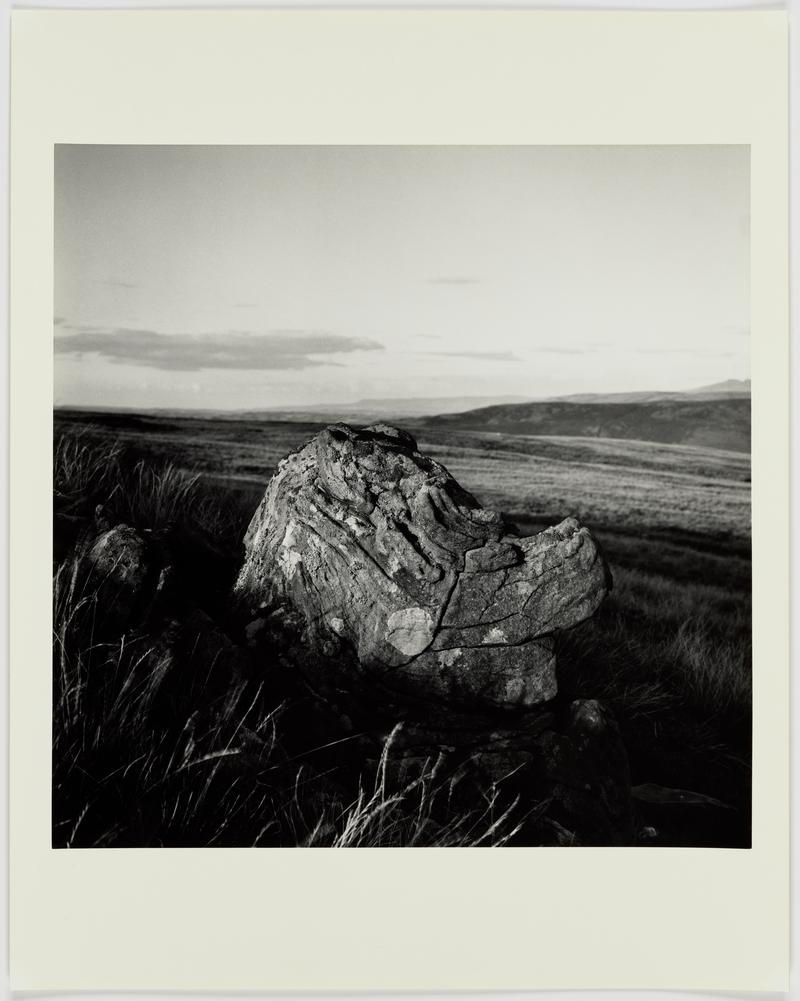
(518, 399)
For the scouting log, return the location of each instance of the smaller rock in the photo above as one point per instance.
(121, 568)
(586, 768)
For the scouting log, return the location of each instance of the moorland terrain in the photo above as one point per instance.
(664, 486)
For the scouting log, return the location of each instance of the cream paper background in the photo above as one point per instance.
(394, 919)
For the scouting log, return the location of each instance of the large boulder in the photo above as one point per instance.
(383, 554)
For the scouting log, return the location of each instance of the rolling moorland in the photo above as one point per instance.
(712, 423)
(665, 487)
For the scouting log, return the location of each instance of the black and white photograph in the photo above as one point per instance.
(401, 496)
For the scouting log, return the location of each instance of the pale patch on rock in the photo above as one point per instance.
(288, 535)
(449, 657)
(288, 558)
(337, 625)
(289, 561)
(410, 630)
(495, 635)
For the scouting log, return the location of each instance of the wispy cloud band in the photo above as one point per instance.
(234, 349)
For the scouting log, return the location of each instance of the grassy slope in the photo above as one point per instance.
(670, 650)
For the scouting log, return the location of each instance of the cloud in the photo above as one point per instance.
(482, 355)
(58, 320)
(234, 349)
(454, 280)
(115, 283)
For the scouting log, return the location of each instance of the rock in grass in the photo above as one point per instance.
(585, 765)
(121, 571)
(126, 574)
(379, 548)
(119, 556)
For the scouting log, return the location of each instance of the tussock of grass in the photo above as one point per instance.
(717, 671)
(654, 644)
(141, 493)
(84, 468)
(411, 813)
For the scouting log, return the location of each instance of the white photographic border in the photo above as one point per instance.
(394, 919)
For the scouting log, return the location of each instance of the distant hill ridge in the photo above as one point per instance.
(731, 388)
(418, 408)
(412, 406)
(715, 420)
(423, 406)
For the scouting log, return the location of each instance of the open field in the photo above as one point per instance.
(669, 651)
(684, 488)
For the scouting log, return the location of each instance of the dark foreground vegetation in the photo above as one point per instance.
(200, 744)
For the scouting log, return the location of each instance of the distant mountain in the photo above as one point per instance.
(377, 408)
(420, 407)
(424, 406)
(359, 411)
(731, 388)
(641, 397)
(716, 422)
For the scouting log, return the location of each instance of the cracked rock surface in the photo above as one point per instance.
(384, 554)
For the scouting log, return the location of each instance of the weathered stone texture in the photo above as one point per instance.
(378, 547)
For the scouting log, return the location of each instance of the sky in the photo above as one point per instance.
(268, 276)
